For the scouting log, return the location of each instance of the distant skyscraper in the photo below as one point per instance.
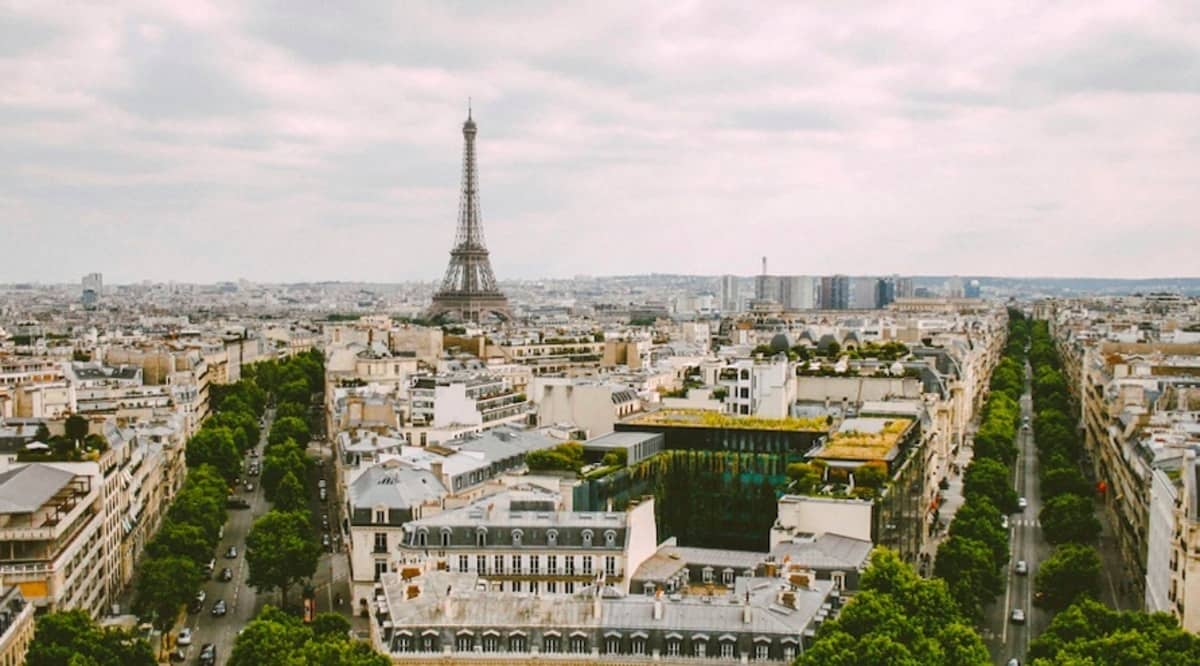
(835, 292)
(469, 288)
(798, 292)
(954, 287)
(904, 286)
(972, 289)
(766, 286)
(885, 292)
(863, 293)
(92, 286)
(729, 293)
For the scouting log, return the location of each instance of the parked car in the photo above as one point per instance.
(1004, 522)
(1018, 616)
(219, 608)
(1014, 662)
(1022, 568)
(1022, 503)
(325, 541)
(226, 574)
(198, 601)
(236, 503)
(185, 636)
(231, 553)
(324, 495)
(177, 656)
(321, 483)
(324, 521)
(249, 487)
(208, 654)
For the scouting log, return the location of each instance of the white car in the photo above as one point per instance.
(1018, 616)
(1021, 503)
(185, 636)
(1022, 568)
(1004, 522)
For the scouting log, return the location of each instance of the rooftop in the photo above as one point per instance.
(26, 489)
(702, 418)
(865, 439)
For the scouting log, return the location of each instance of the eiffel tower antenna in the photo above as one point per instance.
(469, 290)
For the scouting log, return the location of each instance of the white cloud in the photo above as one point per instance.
(684, 137)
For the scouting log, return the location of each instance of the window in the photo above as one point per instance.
(839, 580)
(552, 537)
(429, 643)
(516, 586)
(422, 538)
(610, 538)
(380, 516)
(700, 648)
(552, 587)
(445, 537)
(727, 649)
(587, 538)
(673, 647)
(552, 564)
(553, 644)
(612, 645)
(569, 563)
(648, 589)
(587, 565)
(516, 537)
(533, 586)
(404, 644)
(380, 568)
(481, 564)
(578, 644)
(789, 653)
(569, 587)
(708, 574)
(638, 645)
(516, 643)
(762, 651)
(727, 577)
(498, 564)
(464, 643)
(481, 537)
(380, 542)
(534, 564)
(491, 643)
(516, 564)
(464, 563)
(610, 565)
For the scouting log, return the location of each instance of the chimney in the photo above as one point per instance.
(597, 602)
(446, 603)
(435, 468)
(658, 605)
(746, 616)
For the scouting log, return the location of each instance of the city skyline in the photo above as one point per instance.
(197, 142)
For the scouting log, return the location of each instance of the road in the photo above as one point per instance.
(241, 599)
(1005, 639)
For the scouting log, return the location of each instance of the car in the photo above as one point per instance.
(236, 503)
(326, 542)
(198, 601)
(177, 656)
(231, 553)
(185, 636)
(1025, 427)
(321, 483)
(249, 487)
(226, 574)
(1014, 662)
(219, 608)
(1018, 616)
(1022, 568)
(208, 654)
(324, 495)
(324, 521)
(1022, 504)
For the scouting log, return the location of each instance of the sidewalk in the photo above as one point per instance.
(1114, 591)
(952, 499)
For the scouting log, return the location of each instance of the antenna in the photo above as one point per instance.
(764, 266)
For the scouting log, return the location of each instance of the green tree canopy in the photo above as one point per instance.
(1069, 518)
(164, 585)
(1088, 632)
(76, 428)
(991, 479)
(1073, 570)
(970, 572)
(1066, 480)
(180, 539)
(979, 519)
(275, 638)
(289, 495)
(279, 461)
(281, 551)
(289, 427)
(215, 446)
(566, 457)
(71, 637)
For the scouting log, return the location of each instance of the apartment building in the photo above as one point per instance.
(522, 541)
(16, 626)
(759, 388)
(471, 400)
(592, 405)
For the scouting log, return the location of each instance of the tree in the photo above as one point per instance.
(1064, 480)
(970, 572)
(42, 434)
(270, 639)
(979, 519)
(181, 539)
(289, 495)
(1071, 571)
(1088, 632)
(566, 457)
(71, 638)
(164, 585)
(288, 427)
(295, 391)
(279, 461)
(76, 428)
(804, 476)
(330, 626)
(215, 446)
(991, 479)
(291, 409)
(1069, 518)
(281, 551)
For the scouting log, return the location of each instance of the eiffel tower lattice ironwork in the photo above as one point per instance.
(469, 289)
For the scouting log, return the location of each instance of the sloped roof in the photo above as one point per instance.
(25, 489)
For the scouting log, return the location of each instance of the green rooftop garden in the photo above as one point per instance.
(700, 418)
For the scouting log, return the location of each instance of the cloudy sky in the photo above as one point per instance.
(288, 141)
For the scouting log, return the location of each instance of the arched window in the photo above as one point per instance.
(638, 645)
(552, 644)
(423, 538)
(587, 538)
(429, 642)
(491, 642)
(464, 643)
(552, 537)
(578, 644)
(517, 643)
(516, 537)
(612, 644)
(673, 647)
(610, 538)
(446, 536)
(481, 537)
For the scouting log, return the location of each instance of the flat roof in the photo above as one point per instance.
(865, 439)
(620, 440)
(703, 418)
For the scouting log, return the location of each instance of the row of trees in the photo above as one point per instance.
(1067, 516)
(275, 638)
(972, 559)
(281, 549)
(900, 619)
(72, 638)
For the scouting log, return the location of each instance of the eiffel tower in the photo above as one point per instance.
(469, 289)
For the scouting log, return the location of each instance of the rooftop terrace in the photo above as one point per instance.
(701, 418)
(865, 439)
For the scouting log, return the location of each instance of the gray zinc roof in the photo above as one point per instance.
(395, 487)
(25, 489)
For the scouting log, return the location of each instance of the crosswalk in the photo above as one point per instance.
(1026, 522)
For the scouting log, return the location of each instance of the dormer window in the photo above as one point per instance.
(552, 538)
(446, 537)
(587, 538)
(610, 538)
(516, 537)
(423, 538)
(481, 537)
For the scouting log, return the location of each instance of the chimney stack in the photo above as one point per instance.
(746, 616)
(446, 603)
(658, 605)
